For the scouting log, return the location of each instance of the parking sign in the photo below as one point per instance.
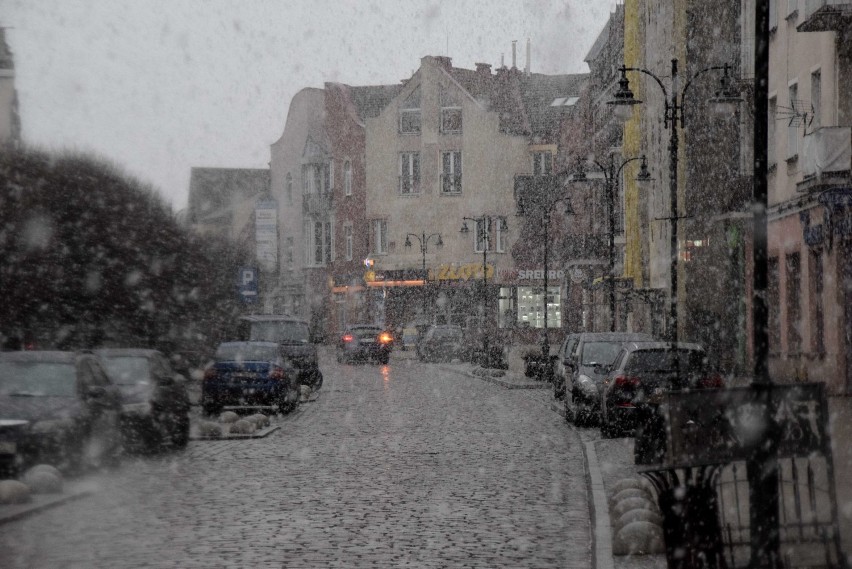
(247, 284)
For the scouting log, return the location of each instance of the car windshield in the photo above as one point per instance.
(689, 361)
(37, 379)
(600, 353)
(246, 352)
(365, 332)
(128, 370)
(279, 332)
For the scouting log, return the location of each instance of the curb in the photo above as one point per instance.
(40, 503)
(602, 533)
(256, 435)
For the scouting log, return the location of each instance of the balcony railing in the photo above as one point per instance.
(827, 151)
(825, 15)
(317, 203)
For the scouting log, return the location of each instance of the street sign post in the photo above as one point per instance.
(247, 284)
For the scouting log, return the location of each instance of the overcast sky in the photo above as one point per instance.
(158, 87)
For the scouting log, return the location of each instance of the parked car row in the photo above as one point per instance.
(77, 409)
(617, 380)
(275, 356)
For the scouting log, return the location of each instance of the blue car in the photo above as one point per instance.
(249, 374)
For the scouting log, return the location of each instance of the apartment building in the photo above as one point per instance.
(442, 157)
(10, 125)
(810, 192)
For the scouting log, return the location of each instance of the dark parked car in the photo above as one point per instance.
(298, 345)
(443, 342)
(642, 373)
(250, 374)
(156, 403)
(364, 342)
(585, 368)
(561, 366)
(58, 408)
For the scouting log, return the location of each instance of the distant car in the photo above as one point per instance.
(584, 372)
(58, 408)
(250, 374)
(642, 373)
(298, 345)
(156, 402)
(442, 342)
(364, 342)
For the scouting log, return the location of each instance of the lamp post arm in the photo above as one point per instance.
(652, 76)
(689, 82)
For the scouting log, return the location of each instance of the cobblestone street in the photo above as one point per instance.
(405, 465)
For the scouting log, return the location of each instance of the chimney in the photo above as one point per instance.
(483, 69)
(444, 61)
(527, 68)
(514, 54)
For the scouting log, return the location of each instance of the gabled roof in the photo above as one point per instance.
(369, 101)
(538, 92)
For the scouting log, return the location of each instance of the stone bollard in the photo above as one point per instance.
(14, 492)
(304, 392)
(259, 420)
(43, 479)
(229, 417)
(209, 429)
(242, 427)
(637, 527)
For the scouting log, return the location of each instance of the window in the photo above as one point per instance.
(348, 240)
(531, 307)
(542, 163)
(793, 125)
(482, 235)
(380, 236)
(289, 185)
(451, 176)
(816, 99)
(328, 243)
(409, 114)
(316, 178)
(772, 305)
(409, 173)
(451, 112)
(500, 235)
(288, 252)
(318, 256)
(347, 178)
(794, 307)
(770, 135)
(319, 242)
(818, 312)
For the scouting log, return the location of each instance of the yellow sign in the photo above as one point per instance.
(460, 272)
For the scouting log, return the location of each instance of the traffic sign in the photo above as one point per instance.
(247, 284)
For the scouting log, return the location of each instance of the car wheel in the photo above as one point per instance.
(570, 416)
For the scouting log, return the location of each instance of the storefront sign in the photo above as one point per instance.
(461, 272)
(520, 276)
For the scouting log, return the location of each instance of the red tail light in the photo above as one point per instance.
(626, 381)
(385, 338)
(348, 337)
(714, 381)
(277, 374)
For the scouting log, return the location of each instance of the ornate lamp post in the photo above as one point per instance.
(423, 239)
(482, 237)
(611, 175)
(726, 99)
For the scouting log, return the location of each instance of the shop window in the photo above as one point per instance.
(531, 307)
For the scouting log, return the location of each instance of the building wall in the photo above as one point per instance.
(305, 119)
(490, 161)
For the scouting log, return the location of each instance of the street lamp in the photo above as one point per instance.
(623, 102)
(547, 211)
(611, 175)
(482, 237)
(423, 239)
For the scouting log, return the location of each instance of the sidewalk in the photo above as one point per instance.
(607, 462)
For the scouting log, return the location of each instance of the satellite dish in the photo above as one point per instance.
(577, 274)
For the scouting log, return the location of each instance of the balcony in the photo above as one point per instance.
(826, 16)
(827, 154)
(317, 203)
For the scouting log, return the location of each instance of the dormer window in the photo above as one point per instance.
(451, 112)
(542, 163)
(409, 114)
